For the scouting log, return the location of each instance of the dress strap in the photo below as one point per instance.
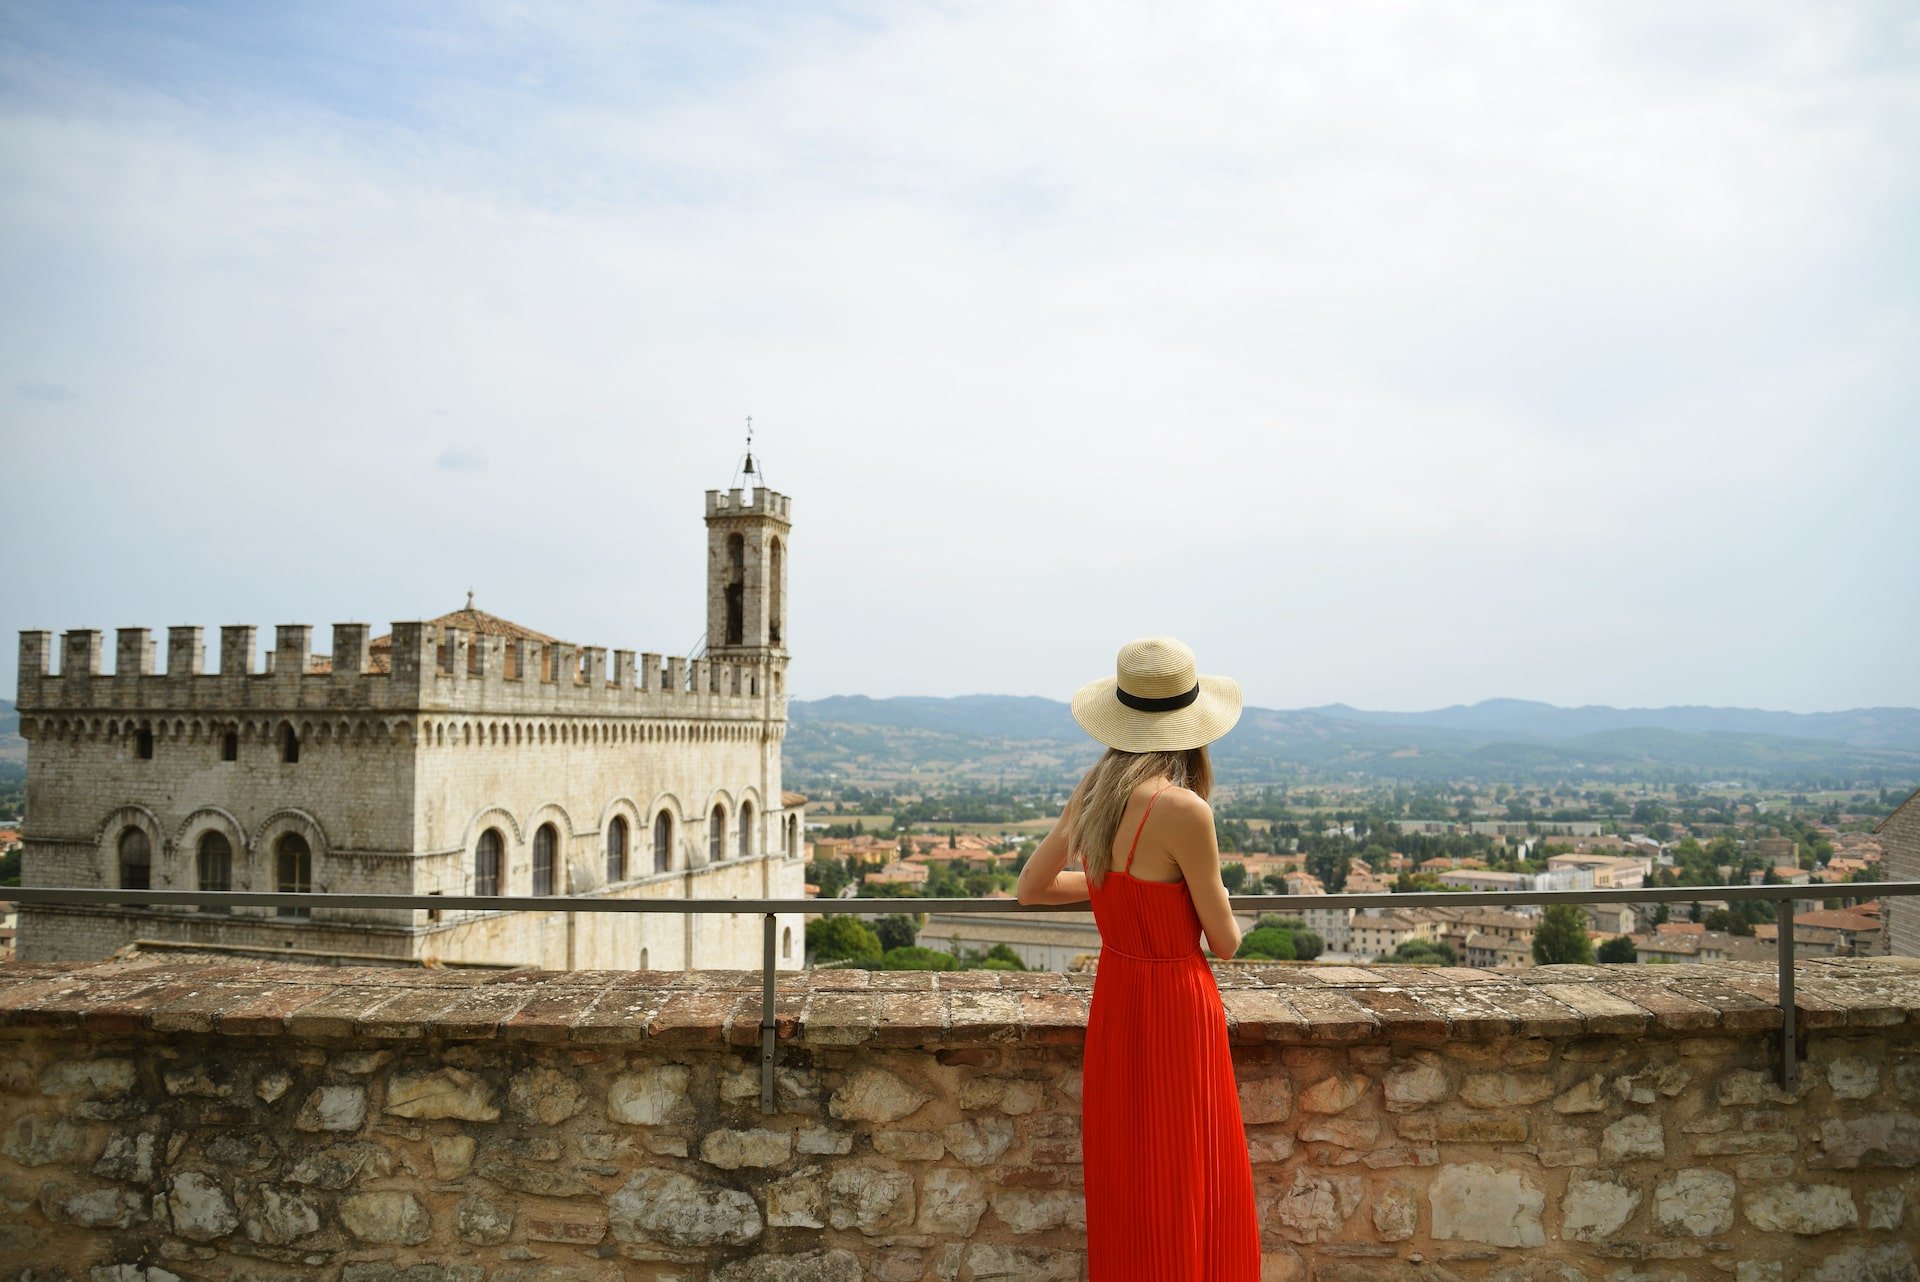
(1128, 866)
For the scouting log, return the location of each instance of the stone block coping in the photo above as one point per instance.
(1279, 1004)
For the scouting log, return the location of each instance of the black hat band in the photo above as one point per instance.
(1172, 703)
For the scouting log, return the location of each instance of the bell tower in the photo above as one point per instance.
(747, 528)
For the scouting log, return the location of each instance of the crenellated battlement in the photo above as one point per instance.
(759, 502)
(420, 667)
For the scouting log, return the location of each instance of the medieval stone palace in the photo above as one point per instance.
(465, 755)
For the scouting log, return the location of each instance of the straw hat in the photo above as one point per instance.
(1156, 701)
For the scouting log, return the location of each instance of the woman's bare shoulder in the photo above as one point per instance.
(1184, 803)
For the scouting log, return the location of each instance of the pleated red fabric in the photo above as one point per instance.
(1169, 1184)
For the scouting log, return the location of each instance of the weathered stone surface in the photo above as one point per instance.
(1882, 1139)
(798, 1201)
(819, 1140)
(1333, 1094)
(837, 1265)
(1636, 1135)
(667, 1207)
(88, 1078)
(1886, 1207)
(544, 1096)
(128, 1156)
(978, 1141)
(1396, 1214)
(1888, 1262)
(445, 1093)
(452, 1156)
(647, 1097)
(1266, 1099)
(198, 1208)
(333, 1108)
(1477, 1203)
(1314, 1207)
(1039, 1210)
(1589, 1095)
(339, 1165)
(1697, 1202)
(1505, 1090)
(1029, 1263)
(281, 1216)
(1416, 1085)
(951, 1203)
(100, 1208)
(40, 1139)
(875, 1095)
(909, 1146)
(872, 1199)
(1801, 1208)
(524, 1176)
(1853, 1077)
(731, 1150)
(1596, 1209)
(386, 1217)
(482, 1221)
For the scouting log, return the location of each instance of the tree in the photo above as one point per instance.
(1275, 945)
(1002, 957)
(1561, 937)
(1423, 952)
(896, 930)
(1233, 875)
(917, 958)
(1308, 945)
(828, 874)
(838, 937)
(1619, 950)
(1330, 866)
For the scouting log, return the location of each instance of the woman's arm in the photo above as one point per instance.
(1192, 844)
(1043, 879)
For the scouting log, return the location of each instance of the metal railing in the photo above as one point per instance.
(1783, 896)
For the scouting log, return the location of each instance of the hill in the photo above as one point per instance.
(999, 741)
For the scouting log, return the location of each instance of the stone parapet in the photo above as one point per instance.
(180, 1119)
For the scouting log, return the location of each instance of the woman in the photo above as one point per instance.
(1169, 1187)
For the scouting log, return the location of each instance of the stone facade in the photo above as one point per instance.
(1900, 832)
(449, 758)
(1575, 1124)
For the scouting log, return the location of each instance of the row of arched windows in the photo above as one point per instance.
(213, 865)
(287, 740)
(489, 851)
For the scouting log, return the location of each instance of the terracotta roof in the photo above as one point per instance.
(792, 799)
(477, 622)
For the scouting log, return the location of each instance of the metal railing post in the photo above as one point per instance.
(766, 1015)
(1789, 1045)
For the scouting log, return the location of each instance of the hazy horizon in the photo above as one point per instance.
(1396, 356)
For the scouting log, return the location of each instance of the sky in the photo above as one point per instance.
(1397, 354)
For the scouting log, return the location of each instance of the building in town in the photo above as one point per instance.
(1899, 835)
(461, 755)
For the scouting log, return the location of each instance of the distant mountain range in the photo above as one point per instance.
(980, 738)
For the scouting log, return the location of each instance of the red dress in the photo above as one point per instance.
(1169, 1185)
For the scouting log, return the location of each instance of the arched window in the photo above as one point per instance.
(617, 849)
(216, 866)
(136, 861)
(793, 834)
(544, 841)
(776, 591)
(746, 829)
(486, 863)
(786, 941)
(736, 590)
(293, 871)
(717, 834)
(143, 744)
(643, 959)
(230, 746)
(289, 744)
(663, 842)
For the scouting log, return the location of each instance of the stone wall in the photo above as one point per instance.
(1612, 1124)
(1900, 834)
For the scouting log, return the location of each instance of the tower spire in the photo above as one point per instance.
(747, 475)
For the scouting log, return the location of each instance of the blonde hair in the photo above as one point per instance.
(1109, 786)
